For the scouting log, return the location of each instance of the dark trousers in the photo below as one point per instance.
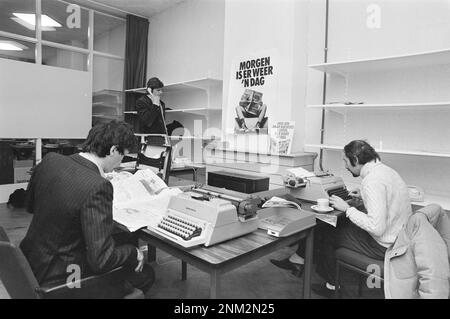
(140, 280)
(346, 235)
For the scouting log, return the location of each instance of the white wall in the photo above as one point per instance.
(405, 27)
(257, 26)
(186, 42)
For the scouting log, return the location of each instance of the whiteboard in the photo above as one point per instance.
(38, 101)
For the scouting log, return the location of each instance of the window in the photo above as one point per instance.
(17, 49)
(73, 23)
(64, 58)
(18, 24)
(64, 41)
(109, 35)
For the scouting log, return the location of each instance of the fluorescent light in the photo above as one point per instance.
(28, 20)
(11, 46)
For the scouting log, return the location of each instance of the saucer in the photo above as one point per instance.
(319, 210)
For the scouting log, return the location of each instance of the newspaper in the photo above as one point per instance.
(140, 199)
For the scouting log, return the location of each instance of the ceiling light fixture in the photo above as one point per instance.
(11, 46)
(28, 20)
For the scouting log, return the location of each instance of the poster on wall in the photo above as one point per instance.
(253, 91)
(281, 137)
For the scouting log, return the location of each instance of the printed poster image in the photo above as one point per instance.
(252, 94)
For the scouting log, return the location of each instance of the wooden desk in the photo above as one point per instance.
(221, 258)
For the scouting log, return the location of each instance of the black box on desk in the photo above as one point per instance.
(243, 183)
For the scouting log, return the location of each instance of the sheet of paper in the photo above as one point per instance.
(280, 202)
(301, 172)
(136, 188)
(150, 180)
(327, 218)
(136, 215)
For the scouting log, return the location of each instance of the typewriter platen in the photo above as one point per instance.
(209, 215)
(321, 186)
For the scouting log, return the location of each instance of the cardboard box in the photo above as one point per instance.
(22, 170)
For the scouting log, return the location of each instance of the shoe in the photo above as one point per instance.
(322, 290)
(298, 272)
(285, 264)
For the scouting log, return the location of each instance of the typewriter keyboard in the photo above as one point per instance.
(340, 192)
(183, 230)
(180, 227)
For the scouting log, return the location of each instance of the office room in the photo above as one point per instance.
(224, 149)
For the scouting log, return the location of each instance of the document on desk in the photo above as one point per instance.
(135, 215)
(140, 199)
(327, 218)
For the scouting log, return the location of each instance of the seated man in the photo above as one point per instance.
(386, 199)
(72, 224)
(251, 106)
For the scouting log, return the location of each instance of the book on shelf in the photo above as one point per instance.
(140, 199)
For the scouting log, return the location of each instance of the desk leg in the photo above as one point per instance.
(215, 285)
(183, 270)
(151, 253)
(194, 174)
(308, 265)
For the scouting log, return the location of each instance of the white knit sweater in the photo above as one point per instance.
(386, 199)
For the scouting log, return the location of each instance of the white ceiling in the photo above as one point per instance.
(143, 8)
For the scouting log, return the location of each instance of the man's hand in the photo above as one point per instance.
(356, 193)
(338, 203)
(156, 100)
(140, 258)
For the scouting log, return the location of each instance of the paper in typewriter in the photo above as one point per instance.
(140, 199)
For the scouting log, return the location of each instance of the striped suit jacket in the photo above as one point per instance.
(72, 222)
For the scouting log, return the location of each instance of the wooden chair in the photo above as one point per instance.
(158, 156)
(20, 282)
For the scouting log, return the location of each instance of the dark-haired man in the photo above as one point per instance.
(151, 109)
(386, 200)
(71, 202)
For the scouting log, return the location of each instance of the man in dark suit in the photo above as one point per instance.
(72, 224)
(151, 111)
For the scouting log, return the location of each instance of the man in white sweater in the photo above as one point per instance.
(386, 200)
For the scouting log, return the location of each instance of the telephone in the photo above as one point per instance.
(416, 194)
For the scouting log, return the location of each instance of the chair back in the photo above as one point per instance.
(15, 272)
(20, 282)
(158, 157)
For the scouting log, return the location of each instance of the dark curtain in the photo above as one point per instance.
(135, 63)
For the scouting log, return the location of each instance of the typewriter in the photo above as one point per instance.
(320, 186)
(207, 217)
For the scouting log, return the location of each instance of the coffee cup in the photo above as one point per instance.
(323, 203)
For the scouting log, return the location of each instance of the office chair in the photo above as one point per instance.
(359, 263)
(156, 156)
(20, 282)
